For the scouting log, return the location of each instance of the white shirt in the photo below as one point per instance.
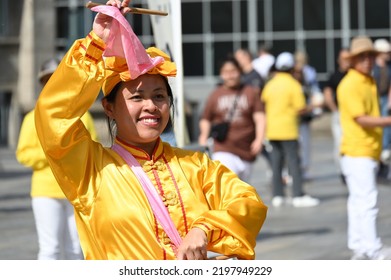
(262, 64)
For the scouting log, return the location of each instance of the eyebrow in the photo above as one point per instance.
(138, 90)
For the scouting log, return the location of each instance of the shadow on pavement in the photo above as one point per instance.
(267, 235)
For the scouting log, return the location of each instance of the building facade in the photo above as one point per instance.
(32, 31)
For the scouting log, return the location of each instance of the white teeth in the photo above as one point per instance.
(150, 120)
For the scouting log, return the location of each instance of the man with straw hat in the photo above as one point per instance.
(360, 150)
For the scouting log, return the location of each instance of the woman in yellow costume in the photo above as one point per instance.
(211, 208)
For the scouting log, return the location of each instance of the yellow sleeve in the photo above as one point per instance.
(88, 122)
(29, 151)
(237, 216)
(67, 96)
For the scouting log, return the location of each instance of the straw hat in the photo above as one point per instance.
(361, 44)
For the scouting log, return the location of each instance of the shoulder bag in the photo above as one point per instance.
(219, 131)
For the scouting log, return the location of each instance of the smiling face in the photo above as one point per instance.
(141, 110)
(230, 74)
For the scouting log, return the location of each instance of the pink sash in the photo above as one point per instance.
(157, 205)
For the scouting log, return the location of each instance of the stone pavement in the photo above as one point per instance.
(289, 233)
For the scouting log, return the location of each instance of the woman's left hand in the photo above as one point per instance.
(102, 23)
(193, 246)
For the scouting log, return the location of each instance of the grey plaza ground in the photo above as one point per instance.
(289, 233)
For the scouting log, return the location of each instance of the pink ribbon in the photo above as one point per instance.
(157, 205)
(123, 42)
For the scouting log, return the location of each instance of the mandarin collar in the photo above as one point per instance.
(140, 153)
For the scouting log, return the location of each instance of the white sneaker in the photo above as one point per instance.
(305, 201)
(385, 156)
(278, 201)
(383, 254)
(359, 256)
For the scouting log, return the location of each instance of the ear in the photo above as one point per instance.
(108, 108)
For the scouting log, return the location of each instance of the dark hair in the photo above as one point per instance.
(265, 47)
(246, 52)
(113, 94)
(230, 59)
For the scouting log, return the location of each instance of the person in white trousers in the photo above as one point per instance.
(361, 147)
(53, 214)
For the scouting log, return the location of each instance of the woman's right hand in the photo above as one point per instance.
(193, 246)
(102, 23)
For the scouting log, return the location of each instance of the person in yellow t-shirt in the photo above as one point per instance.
(53, 214)
(360, 149)
(284, 102)
(210, 207)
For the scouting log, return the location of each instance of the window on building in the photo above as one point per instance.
(193, 59)
(354, 14)
(5, 104)
(62, 23)
(243, 16)
(279, 46)
(221, 50)
(72, 23)
(221, 16)
(192, 24)
(377, 14)
(3, 17)
(10, 17)
(337, 14)
(283, 15)
(316, 52)
(260, 16)
(244, 45)
(314, 14)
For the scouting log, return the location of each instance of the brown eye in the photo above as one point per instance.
(135, 98)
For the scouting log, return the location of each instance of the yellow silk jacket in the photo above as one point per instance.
(114, 218)
(29, 153)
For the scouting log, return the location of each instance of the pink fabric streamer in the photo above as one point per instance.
(126, 45)
(157, 205)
